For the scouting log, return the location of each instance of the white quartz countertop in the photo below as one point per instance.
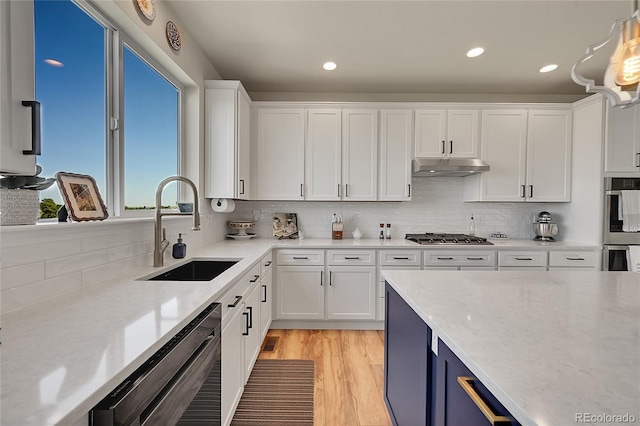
(61, 357)
(548, 345)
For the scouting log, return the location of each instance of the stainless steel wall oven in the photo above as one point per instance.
(616, 241)
(179, 384)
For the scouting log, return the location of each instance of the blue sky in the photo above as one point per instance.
(73, 107)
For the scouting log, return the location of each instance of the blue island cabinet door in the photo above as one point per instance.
(407, 364)
(462, 400)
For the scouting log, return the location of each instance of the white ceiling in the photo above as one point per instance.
(401, 46)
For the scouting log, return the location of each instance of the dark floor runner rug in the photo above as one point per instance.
(279, 392)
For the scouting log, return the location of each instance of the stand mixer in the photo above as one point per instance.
(544, 227)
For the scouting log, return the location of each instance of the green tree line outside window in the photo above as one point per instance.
(49, 208)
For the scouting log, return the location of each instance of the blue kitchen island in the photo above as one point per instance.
(511, 347)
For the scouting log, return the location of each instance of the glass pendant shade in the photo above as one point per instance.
(628, 71)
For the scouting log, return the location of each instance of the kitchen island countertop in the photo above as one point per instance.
(548, 345)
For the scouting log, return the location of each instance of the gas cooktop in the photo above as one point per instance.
(438, 239)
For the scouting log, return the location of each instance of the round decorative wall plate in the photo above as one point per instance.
(173, 36)
(147, 8)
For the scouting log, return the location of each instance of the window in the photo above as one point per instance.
(107, 109)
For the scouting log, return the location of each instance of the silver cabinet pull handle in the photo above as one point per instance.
(300, 257)
(242, 186)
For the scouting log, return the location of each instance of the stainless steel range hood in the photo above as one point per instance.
(448, 166)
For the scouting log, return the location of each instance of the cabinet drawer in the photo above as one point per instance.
(399, 257)
(522, 258)
(351, 257)
(266, 263)
(587, 259)
(457, 258)
(233, 299)
(300, 257)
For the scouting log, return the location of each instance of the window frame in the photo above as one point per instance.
(115, 40)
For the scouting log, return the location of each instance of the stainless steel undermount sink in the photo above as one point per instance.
(195, 270)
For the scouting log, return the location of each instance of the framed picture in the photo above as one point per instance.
(285, 225)
(81, 197)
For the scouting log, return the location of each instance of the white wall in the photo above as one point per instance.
(436, 206)
(586, 207)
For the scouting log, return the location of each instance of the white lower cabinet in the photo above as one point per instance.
(535, 259)
(456, 259)
(300, 292)
(238, 344)
(232, 363)
(266, 293)
(351, 294)
(394, 259)
(252, 333)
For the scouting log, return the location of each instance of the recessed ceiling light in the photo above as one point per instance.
(476, 51)
(549, 68)
(330, 66)
(54, 63)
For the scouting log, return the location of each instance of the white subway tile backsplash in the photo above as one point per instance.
(21, 275)
(43, 261)
(38, 251)
(91, 276)
(65, 265)
(28, 294)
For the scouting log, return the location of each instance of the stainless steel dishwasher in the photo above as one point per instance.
(179, 384)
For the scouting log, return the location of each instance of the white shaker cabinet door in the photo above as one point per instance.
(300, 292)
(252, 333)
(323, 153)
(431, 133)
(17, 84)
(548, 177)
(395, 155)
(351, 294)
(280, 138)
(462, 132)
(359, 154)
(622, 153)
(504, 148)
(232, 364)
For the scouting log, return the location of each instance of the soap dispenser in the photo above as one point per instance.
(179, 249)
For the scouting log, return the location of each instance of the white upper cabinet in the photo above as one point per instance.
(280, 147)
(548, 177)
(451, 133)
(622, 153)
(227, 136)
(323, 155)
(19, 113)
(341, 160)
(359, 154)
(395, 155)
(529, 153)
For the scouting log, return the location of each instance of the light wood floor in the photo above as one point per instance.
(348, 373)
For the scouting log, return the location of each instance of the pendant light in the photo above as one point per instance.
(621, 78)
